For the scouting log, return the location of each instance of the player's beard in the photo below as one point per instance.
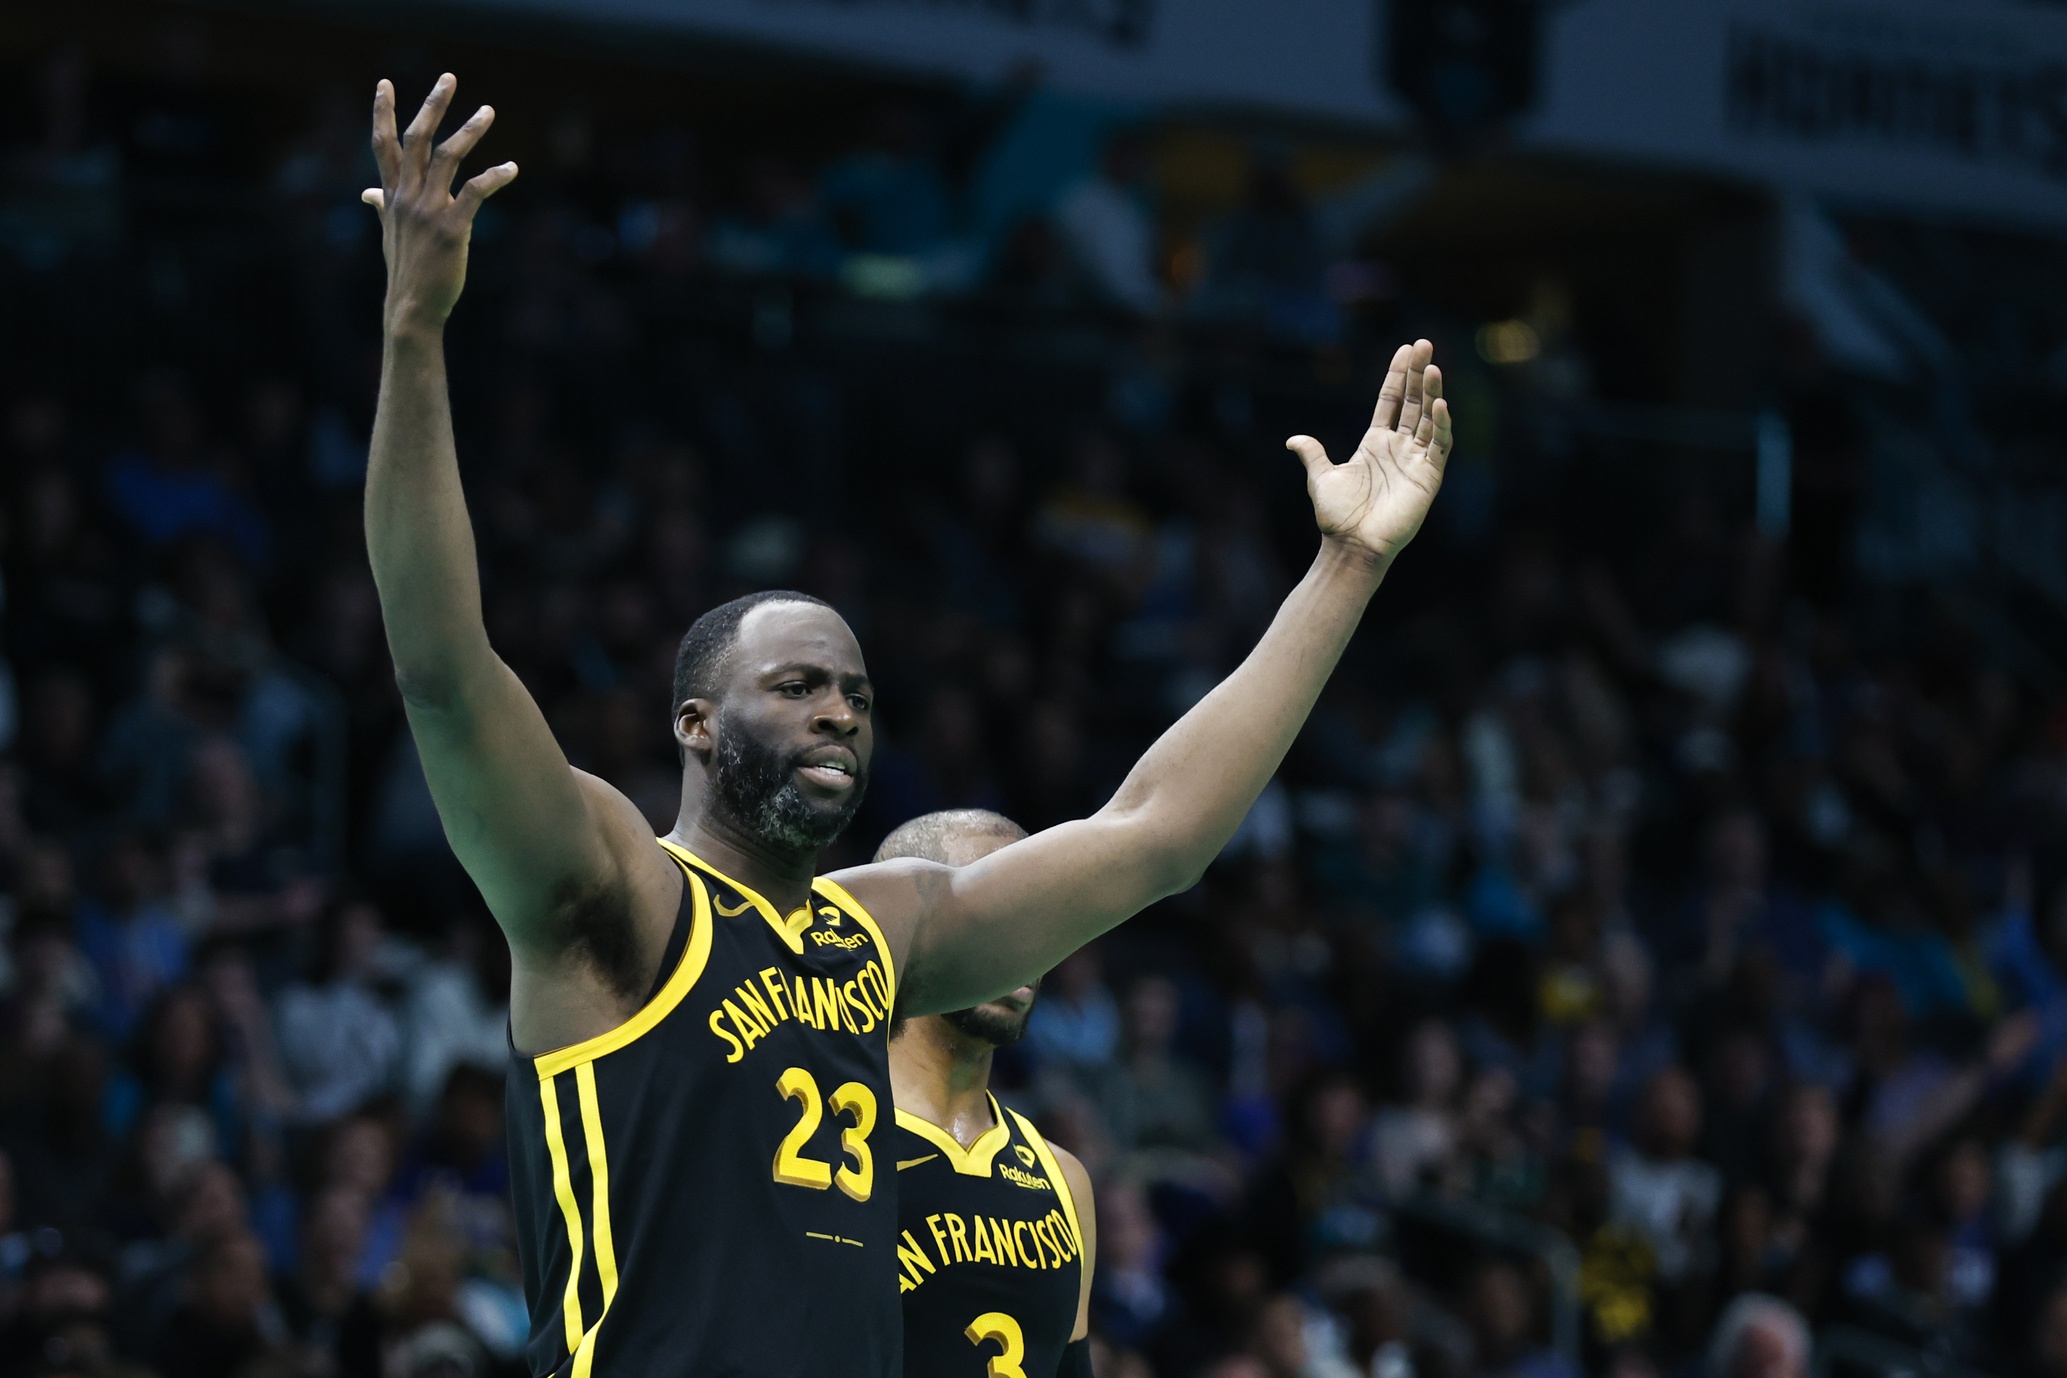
(756, 788)
(991, 1025)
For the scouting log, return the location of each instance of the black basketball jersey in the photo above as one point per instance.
(707, 1189)
(989, 1253)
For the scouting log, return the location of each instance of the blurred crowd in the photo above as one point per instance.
(1654, 951)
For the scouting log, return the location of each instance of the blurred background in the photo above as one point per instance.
(1653, 954)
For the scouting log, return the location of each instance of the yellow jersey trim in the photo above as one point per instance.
(975, 1160)
(599, 1175)
(837, 893)
(695, 953)
(563, 1192)
(1053, 1167)
(790, 930)
(606, 1252)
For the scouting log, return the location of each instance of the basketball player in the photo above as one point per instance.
(997, 1231)
(699, 1027)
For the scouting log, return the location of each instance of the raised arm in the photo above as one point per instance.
(544, 842)
(982, 929)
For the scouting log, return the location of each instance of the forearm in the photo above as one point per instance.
(982, 928)
(417, 532)
(1189, 793)
(1038, 900)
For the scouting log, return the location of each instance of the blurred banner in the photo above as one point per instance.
(1953, 107)
(1313, 56)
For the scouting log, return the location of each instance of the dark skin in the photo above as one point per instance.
(566, 863)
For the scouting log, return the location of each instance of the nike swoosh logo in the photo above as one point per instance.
(739, 908)
(914, 1162)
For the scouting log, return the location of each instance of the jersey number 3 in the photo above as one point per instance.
(793, 1168)
(996, 1325)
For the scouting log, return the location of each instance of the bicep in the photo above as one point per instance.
(986, 927)
(528, 827)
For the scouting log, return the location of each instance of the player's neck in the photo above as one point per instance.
(782, 877)
(941, 1074)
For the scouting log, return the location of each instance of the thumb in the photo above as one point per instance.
(1311, 453)
(374, 197)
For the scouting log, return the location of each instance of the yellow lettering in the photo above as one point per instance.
(751, 998)
(1001, 1236)
(939, 1239)
(882, 987)
(1046, 1230)
(745, 1023)
(1067, 1232)
(738, 1048)
(851, 994)
(913, 1261)
(778, 989)
(1062, 1234)
(800, 1001)
(1029, 1258)
(960, 1234)
(825, 999)
(984, 1249)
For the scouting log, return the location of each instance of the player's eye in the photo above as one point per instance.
(858, 702)
(795, 689)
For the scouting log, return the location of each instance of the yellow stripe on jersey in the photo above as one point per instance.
(973, 1161)
(695, 953)
(1054, 1170)
(791, 931)
(837, 893)
(599, 1175)
(563, 1191)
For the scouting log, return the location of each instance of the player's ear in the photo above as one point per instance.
(696, 727)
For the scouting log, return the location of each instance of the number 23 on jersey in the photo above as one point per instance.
(851, 1100)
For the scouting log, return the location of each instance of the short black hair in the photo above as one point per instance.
(943, 836)
(711, 637)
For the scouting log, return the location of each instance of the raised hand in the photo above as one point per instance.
(424, 227)
(1373, 504)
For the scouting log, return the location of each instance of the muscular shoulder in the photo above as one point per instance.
(895, 893)
(617, 921)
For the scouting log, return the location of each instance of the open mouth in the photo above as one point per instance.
(829, 770)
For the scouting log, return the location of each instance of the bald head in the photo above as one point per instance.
(952, 837)
(957, 837)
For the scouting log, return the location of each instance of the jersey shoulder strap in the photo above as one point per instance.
(837, 893)
(695, 952)
(1053, 1168)
(678, 939)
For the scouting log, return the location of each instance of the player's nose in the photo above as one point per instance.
(836, 718)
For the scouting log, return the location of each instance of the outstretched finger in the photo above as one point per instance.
(1388, 408)
(483, 185)
(1311, 453)
(445, 162)
(387, 149)
(1412, 404)
(1442, 440)
(416, 140)
(1432, 397)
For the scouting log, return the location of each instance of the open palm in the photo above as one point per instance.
(1375, 501)
(425, 228)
